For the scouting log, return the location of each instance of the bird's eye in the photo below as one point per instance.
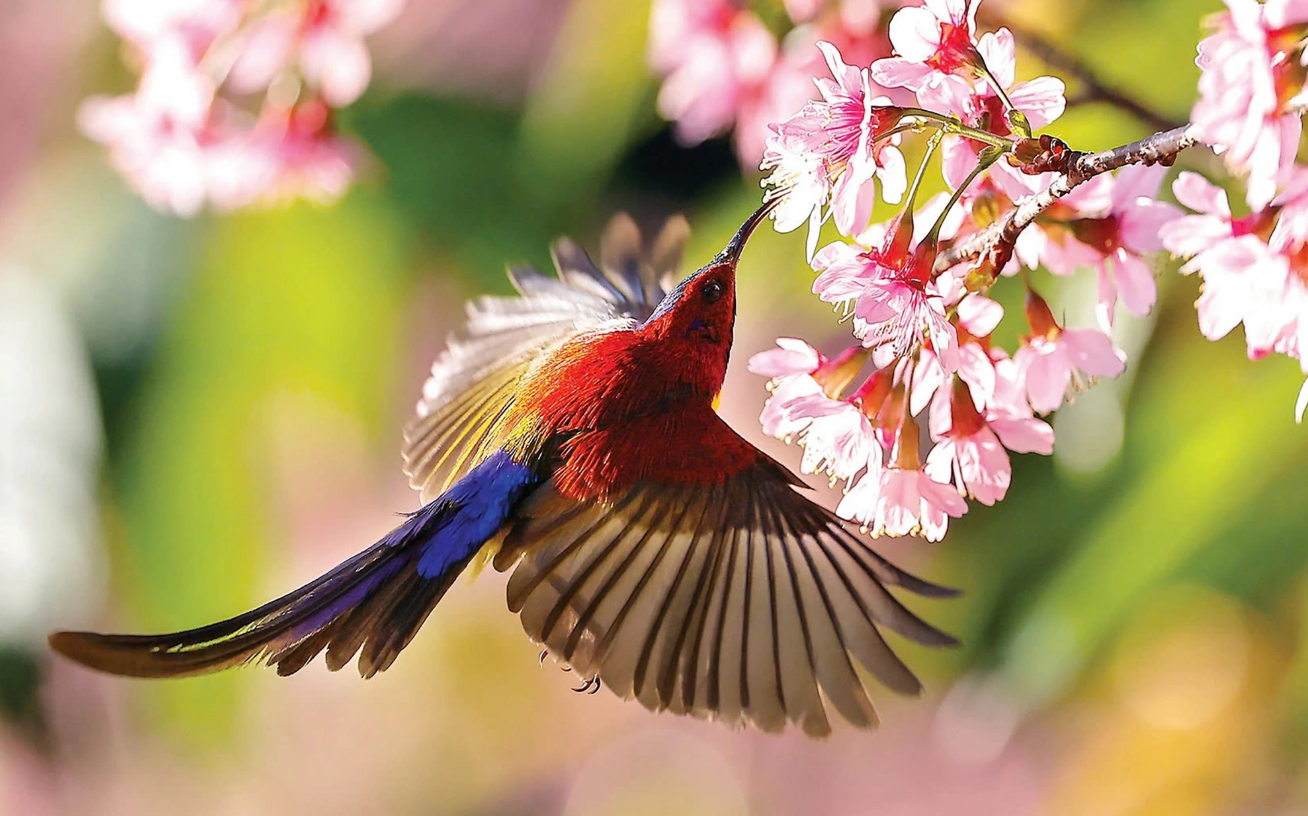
(713, 291)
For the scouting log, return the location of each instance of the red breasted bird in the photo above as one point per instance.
(572, 436)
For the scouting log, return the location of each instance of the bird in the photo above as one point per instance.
(570, 437)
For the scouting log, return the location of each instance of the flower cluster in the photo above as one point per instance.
(924, 411)
(236, 98)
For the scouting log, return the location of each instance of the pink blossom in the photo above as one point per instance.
(712, 54)
(791, 357)
(974, 100)
(827, 154)
(898, 501)
(1251, 78)
(159, 137)
(1111, 231)
(932, 40)
(1054, 359)
(196, 23)
(890, 292)
(323, 38)
(977, 317)
(970, 445)
(288, 155)
(1243, 277)
(838, 438)
(798, 373)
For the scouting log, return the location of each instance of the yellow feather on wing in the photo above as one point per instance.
(474, 381)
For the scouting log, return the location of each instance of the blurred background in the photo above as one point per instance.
(197, 415)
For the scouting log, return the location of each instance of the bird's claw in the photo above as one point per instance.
(544, 653)
(591, 686)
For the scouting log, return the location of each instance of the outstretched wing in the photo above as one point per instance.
(742, 601)
(473, 382)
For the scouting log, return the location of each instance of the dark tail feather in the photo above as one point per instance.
(374, 603)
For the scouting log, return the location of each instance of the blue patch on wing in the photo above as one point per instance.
(475, 507)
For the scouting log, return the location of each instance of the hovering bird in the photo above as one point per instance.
(570, 436)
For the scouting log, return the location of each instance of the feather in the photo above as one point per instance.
(741, 601)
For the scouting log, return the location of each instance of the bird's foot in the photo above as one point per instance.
(590, 686)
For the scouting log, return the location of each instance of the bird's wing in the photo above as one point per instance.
(474, 381)
(741, 601)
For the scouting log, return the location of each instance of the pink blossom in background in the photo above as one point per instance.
(712, 54)
(1250, 79)
(931, 41)
(823, 159)
(203, 126)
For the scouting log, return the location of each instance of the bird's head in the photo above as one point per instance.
(702, 308)
(692, 325)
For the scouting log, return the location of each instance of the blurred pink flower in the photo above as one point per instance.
(159, 137)
(1054, 359)
(323, 38)
(932, 40)
(824, 158)
(1114, 224)
(197, 23)
(712, 54)
(288, 155)
(1251, 78)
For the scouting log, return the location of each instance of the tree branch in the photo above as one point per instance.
(1096, 90)
(1160, 147)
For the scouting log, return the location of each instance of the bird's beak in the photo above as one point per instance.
(736, 245)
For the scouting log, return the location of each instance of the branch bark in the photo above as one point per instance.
(1160, 147)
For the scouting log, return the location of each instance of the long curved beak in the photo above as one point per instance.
(736, 245)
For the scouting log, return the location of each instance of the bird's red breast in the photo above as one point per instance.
(628, 407)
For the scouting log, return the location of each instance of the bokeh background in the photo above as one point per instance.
(196, 415)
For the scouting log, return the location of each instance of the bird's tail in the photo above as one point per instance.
(371, 605)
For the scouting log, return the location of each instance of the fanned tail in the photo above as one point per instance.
(371, 605)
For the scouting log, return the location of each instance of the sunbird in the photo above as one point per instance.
(570, 436)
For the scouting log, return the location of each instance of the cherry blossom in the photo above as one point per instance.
(712, 54)
(824, 158)
(931, 41)
(902, 498)
(211, 122)
(1252, 79)
(892, 296)
(974, 100)
(1054, 359)
(1112, 226)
